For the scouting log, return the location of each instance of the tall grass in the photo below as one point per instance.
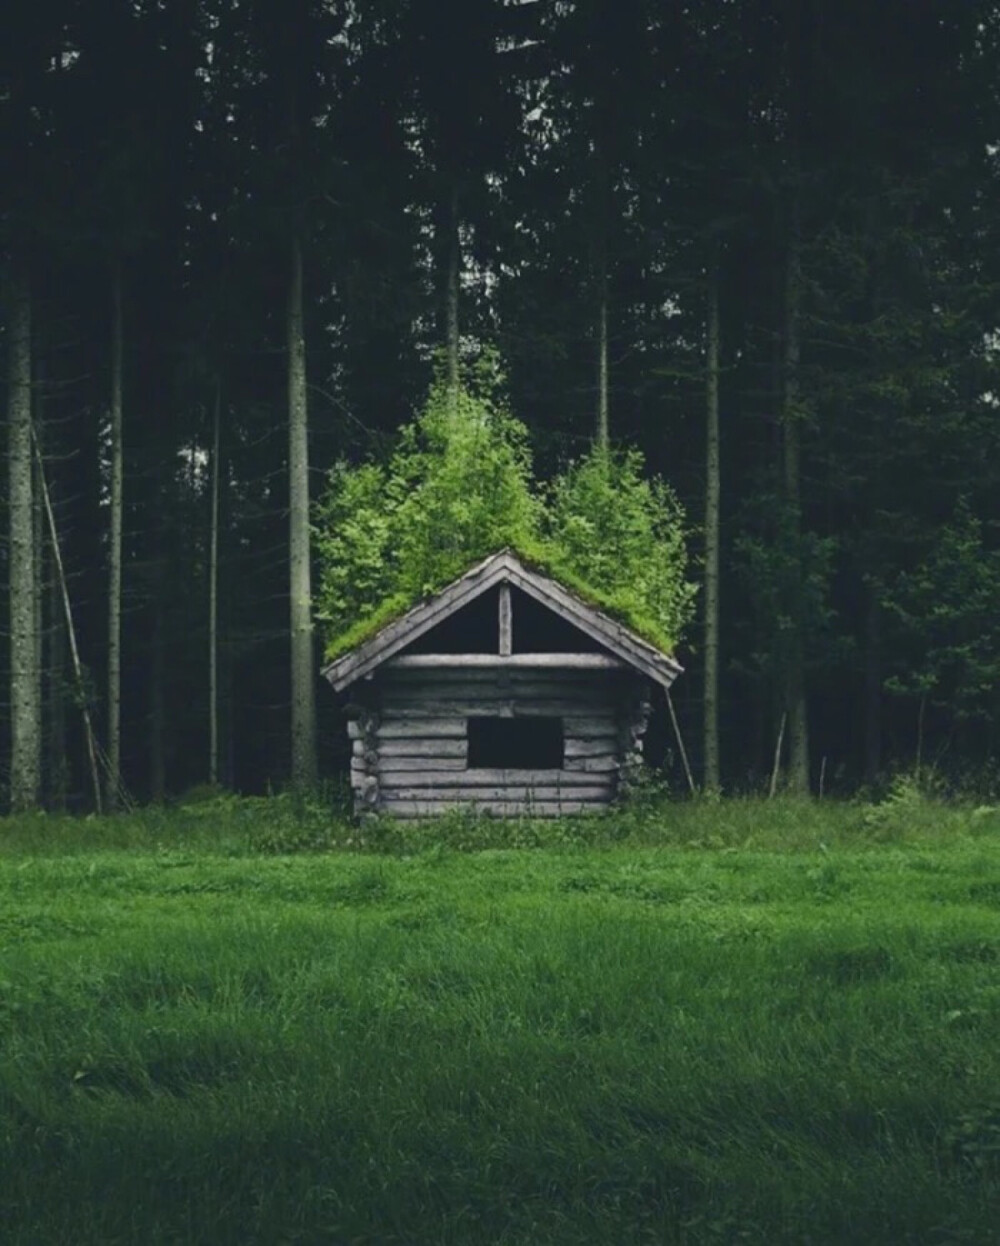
(675, 1036)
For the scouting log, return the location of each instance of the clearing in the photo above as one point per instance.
(608, 1043)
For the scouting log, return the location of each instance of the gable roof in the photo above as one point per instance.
(501, 568)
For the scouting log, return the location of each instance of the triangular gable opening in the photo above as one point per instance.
(473, 628)
(537, 629)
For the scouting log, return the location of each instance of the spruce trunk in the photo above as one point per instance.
(303, 673)
(113, 778)
(213, 596)
(602, 432)
(712, 498)
(793, 648)
(453, 279)
(25, 676)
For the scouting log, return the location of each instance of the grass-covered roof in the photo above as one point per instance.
(458, 488)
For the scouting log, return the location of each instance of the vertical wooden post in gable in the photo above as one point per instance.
(506, 622)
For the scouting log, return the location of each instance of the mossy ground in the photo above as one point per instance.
(703, 1023)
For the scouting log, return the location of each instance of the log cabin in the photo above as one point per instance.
(504, 692)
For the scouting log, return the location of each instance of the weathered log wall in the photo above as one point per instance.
(410, 739)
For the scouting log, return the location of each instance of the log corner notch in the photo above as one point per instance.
(530, 704)
(362, 727)
(637, 704)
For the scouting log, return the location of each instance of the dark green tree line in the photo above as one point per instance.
(755, 240)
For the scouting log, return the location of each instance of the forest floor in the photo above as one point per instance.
(758, 1023)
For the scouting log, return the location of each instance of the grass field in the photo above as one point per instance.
(741, 1022)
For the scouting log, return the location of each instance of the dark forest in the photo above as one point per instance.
(758, 240)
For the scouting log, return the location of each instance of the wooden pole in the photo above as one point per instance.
(777, 757)
(680, 744)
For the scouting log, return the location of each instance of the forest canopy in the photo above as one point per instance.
(460, 485)
(752, 245)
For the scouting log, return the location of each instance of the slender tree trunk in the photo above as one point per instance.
(25, 681)
(602, 430)
(304, 769)
(113, 779)
(157, 707)
(213, 596)
(47, 612)
(795, 697)
(38, 606)
(602, 434)
(453, 280)
(873, 683)
(158, 647)
(712, 496)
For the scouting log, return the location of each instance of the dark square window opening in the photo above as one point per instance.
(515, 744)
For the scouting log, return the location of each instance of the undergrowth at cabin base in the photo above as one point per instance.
(745, 1022)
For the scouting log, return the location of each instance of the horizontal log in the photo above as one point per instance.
(415, 747)
(593, 687)
(594, 765)
(499, 808)
(491, 707)
(587, 726)
(513, 662)
(405, 728)
(582, 696)
(592, 746)
(506, 792)
(495, 778)
(408, 766)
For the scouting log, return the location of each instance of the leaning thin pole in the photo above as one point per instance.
(680, 743)
(777, 758)
(70, 629)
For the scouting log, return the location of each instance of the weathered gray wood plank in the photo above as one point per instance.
(499, 778)
(512, 792)
(505, 621)
(462, 662)
(592, 746)
(581, 727)
(416, 747)
(607, 762)
(405, 728)
(388, 766)
(409, 693)
(489, 707)
(498, 808)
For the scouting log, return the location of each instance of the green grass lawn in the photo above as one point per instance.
(742, 1022)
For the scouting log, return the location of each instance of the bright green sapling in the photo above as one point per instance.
(458, 487)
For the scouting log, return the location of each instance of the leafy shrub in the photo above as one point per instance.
(611, 527)
(459, 487)
(456, 489)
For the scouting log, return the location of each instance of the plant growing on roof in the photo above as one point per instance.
(610, 527)
(458, 487)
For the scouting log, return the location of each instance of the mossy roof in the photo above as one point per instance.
(397, 623)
